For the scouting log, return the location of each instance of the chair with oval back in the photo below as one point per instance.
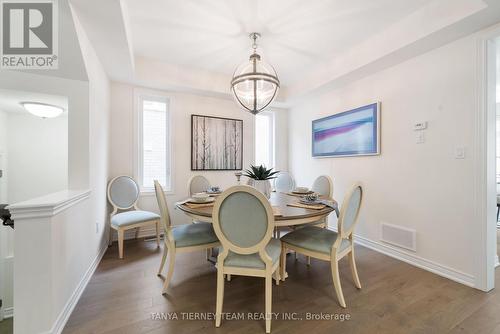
(284, 182)
(123, 193)
(243, 221)
(198, 184)
(323, 185)
(328, 245)
(181, 238)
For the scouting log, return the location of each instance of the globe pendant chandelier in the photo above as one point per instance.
(255, 83)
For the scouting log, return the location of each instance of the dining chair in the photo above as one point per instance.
(284, 182)
(327, 245)
(198, 184)
(243, 221)
(323, 185)
(123, 193)
(181, 238)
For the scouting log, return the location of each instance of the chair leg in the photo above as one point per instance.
(269, 296)
(163, 259)
(220, 297)
(336, 281)
(283, 262)
(354, 270)
(157, 234)
(110, 236)
(137, 232)
(120, 243)
(208, 253)
(308, 260)
(228, 276)
(170, 270)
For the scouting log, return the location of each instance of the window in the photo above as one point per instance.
(264, 139)
(153, 139)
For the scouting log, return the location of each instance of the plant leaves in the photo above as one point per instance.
(260, 173)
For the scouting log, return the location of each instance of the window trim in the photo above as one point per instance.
(272, 135)
(139, 96)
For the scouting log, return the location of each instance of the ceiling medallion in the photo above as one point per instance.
(255, 83)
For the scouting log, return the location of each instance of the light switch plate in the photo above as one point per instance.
(420, 126)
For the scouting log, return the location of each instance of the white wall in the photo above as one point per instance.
(419, 186)
(3, 152)
(37, 156)
(80, 234)
(182, 106)
(72, 240)
(6, 234)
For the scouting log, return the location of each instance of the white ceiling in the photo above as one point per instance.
(296, 34)
(195, 45)
(10, 100)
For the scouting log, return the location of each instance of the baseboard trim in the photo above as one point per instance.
(63, 317)
(417, 261)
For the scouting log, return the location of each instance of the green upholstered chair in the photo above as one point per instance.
(123, 193)
(284, 182)
(323, 185)
(198, 184)
(327, 245)
(182, 238)
(243, 221)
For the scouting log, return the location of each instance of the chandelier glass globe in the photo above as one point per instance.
(255, 83)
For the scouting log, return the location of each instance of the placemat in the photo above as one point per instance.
(198, 206)
(308, 206)
(295, 195)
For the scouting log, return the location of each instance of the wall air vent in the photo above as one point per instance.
(399, 236)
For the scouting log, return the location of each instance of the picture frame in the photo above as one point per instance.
(350, 133)
(216, 143)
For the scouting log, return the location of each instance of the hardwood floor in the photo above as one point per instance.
(6, 326)
(395, 298)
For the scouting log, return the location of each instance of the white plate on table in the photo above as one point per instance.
(201, 201)
(302, 192)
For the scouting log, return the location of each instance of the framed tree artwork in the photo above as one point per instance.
(216, 143)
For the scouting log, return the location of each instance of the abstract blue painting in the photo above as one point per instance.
(349, 133)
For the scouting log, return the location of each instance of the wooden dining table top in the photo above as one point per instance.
(284, 214)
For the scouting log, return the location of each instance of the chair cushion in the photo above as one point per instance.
(194, 235)
(314, 239)
(254, 261)
(133, 217)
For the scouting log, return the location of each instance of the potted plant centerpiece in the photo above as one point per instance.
(259, 178)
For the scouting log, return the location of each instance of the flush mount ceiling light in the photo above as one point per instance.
(255, 83)
(42, 110)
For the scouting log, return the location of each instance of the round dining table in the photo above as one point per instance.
(284, 213)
